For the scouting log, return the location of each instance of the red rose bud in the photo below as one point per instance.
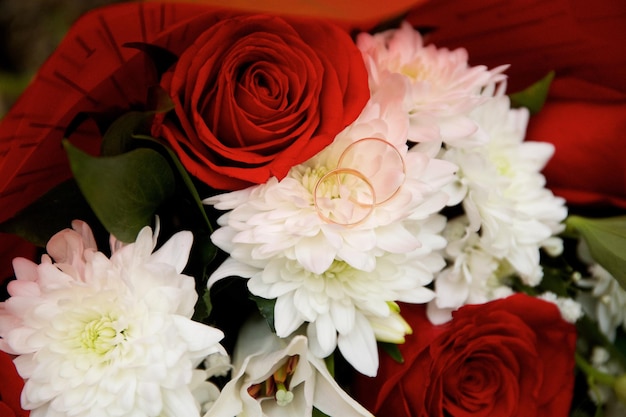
(512, 357)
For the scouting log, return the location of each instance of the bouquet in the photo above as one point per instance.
(244, 212)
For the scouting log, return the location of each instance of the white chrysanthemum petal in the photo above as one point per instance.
(395, 238)
(356, 258)
(175, 251)
(359, 347)
(343, 315)
(178, 403)
(314, 254)
(201, 340)
(285, 321)
(438, 315)
(322, 335)
(451, 282)
(416, 295)
(231, 268)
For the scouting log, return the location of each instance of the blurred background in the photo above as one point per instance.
(29, 32)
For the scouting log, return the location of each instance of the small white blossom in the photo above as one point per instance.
(570, 310)
(606, 301)
(474, 276)
(603, 395)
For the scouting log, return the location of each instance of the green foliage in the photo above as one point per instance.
(392, 350)
(203, 307)
(330, 364)
(124, 191)
(266, 308)
(534, 96)
(182, 172)
(119, 137)
(606, 239)
(318, 413)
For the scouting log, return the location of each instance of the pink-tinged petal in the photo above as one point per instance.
(25, 269)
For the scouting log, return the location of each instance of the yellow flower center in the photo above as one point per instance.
(338, 269)
(309, 177)
(100, 335)
(414, 70)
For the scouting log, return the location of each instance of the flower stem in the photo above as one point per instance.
(592, 373)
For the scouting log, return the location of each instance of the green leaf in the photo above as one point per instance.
(185, 177)
(203, 307)
(266, 308)
(125, 190)
(51, 213)
(118, 138)
(202, 253)
(330, 364)
(207, 302)
(159, 100)
(606, 239)
(392, 350)
(534, 96)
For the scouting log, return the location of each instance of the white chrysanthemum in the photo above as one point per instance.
(106, 337)
(504, 192)
(342, 235)
(276, 377)
(606, 302)
(474, 276)
(441, 88)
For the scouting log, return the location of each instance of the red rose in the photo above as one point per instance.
(255, 95)
(507, 358)
(11, 385)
